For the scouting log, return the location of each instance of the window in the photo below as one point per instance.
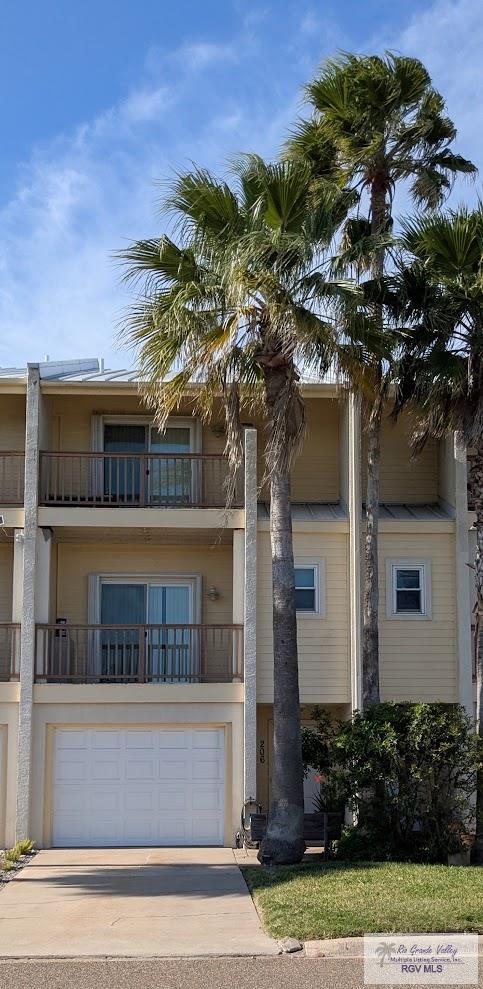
(307, 587)
(408, 589)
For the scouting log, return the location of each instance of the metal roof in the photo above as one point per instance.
(93, 369)
(309, 511)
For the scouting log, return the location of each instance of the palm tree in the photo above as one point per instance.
(387, 126)
(442, 295)
(234, 306)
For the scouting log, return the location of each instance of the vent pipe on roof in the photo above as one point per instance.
(101, 364)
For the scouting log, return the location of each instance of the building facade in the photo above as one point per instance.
(136, 660)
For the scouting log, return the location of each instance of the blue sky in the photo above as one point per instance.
(102, 101)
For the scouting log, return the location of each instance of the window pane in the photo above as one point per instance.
(123, 604)
(305, 600)
(175, 439)
(124, 438)
(408, 579)
(304, 577)
(408, 601)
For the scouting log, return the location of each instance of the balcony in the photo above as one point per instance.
(9, 651)
(137, 480)
(139, 654)
(12, 467)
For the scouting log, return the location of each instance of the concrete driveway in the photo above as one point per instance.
(130, 902)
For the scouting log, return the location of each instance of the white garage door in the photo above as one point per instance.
(138, 786)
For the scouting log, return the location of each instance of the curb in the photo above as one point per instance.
(353, 947)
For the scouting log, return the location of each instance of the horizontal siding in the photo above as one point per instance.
(6, 577)
(315, 474)
(76, 562)
(403, 479)
(323, 642)
(418, 658)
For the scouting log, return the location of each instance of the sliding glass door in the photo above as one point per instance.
(170, 652)
(160, 479)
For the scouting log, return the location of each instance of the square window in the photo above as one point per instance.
(306, 589)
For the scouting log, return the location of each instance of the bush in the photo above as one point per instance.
(407, 772)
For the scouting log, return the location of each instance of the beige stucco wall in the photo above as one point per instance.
(71, 419)
(12, 420)
(418, 659)
(8, 763)
(6, 577)
(48, 716)
(403, 479)
(323, 641)
(76, 561)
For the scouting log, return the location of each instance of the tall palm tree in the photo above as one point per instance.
(442, 298)
(235, 305)
(387, 126)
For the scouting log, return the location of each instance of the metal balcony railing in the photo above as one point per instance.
(139, 653)
(9, 651)
(142, 479)
(12, 469)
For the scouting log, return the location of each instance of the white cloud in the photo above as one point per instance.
(90, 191)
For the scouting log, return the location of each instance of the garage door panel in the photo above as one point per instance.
(139, 740)
(138, 787)
(139, 769)
(174, 740)
(207, 739)
(106, 769)
(105, 740)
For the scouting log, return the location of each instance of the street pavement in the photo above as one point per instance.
(283, 972)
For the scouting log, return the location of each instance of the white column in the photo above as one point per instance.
(355, 512)
(463, 600)
(250, 617)
(29, 584)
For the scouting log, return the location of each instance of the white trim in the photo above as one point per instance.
(424, 567)
(318, 566)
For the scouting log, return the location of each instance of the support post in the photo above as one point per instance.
(462, 576)
(250, 618)
(355, 513)
(29, 586)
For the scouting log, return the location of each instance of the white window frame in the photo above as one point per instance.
(424, 567)
(99, 420)
(96, 580)
(318, 566)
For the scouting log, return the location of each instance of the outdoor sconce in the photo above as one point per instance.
(213, 594)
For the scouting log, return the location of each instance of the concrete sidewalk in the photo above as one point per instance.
(136, 902)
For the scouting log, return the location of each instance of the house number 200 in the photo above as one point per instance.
(262, 751)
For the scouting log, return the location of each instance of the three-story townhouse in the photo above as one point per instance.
(136, 660)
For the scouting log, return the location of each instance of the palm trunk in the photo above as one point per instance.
(477, 488)
(370, 630)
(284, 842)
(370, 627)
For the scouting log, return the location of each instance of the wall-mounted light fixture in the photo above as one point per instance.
(213, 593)
(218, 429)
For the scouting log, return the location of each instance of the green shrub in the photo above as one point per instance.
(25, 847)
(12, 854)
(407, 772)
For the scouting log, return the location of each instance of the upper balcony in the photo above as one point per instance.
(144, 480)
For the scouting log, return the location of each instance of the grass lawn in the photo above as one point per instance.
(340, 900)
